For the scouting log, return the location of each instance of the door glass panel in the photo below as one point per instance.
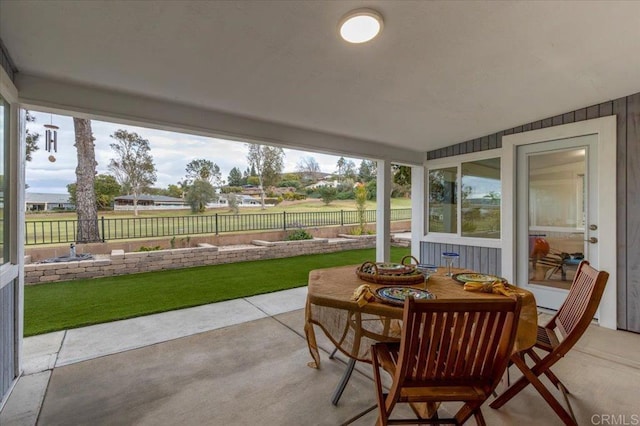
(481, 194)
(557, 214)
(443, 200)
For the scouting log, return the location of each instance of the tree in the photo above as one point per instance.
(86, 207)
(361, 202)
(268, 162)
(367, 171)
(200, 179)
(174, 191)
(105, 187)
(253, 180)
(401, 180)
(133, 166)
(235, 177)
(234, 203)
(346, 169)
(327, 194)
(204, 170)
(31, 138)
(309, 169)
(401, 175)
(199, 194)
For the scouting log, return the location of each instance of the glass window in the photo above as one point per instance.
(4, 147)
(478, 207)
(443, 200)
(481, 196)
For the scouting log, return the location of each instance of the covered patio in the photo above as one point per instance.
(447, 88)
(250, 367)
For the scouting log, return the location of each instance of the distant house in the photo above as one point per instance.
(38, 202)
(243, 201)
(149, 202)
(327, 182)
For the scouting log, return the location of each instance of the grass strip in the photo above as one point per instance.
(72, 304)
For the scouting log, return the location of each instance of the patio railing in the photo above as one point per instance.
(65, 231)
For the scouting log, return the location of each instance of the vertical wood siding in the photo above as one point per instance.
(7, 340)
(480, 259)
(627, 112)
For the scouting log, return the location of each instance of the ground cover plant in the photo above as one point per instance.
(71, 304)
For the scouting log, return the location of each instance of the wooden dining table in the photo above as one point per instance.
(353, 328)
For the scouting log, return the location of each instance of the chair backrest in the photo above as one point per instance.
(454, 342)
(580, 306)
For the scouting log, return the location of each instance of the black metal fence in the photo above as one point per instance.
(65, 231)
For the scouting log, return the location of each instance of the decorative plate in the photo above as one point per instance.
(478, 278)
(393, 268)
(396, 295)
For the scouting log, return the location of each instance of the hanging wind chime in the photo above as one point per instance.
(51, 139)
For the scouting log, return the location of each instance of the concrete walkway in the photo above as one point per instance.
(45, 352)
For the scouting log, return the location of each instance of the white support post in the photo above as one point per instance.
(418, 196)
(383, 212)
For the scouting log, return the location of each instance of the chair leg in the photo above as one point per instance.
(550, 375)
(479, 418)
(357, 416)
(469, 409)
(530, 377)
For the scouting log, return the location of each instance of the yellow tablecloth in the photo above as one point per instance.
(353, 329)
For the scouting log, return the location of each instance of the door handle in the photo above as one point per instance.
(592, 240)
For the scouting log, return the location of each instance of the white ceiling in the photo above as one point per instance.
(441, 72)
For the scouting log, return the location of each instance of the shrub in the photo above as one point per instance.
(145, 248)
(328, 194)
(361, 200)
(289, 183)
(231, 189)
(299, 234)
(273, 201)
(345, 195)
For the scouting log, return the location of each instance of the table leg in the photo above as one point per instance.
(343, 382)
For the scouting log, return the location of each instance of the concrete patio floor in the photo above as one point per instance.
(244, 362)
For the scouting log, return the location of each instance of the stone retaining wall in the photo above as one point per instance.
(121, 263)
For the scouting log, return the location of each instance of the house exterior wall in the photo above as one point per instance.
(627, 112)
(482, 259)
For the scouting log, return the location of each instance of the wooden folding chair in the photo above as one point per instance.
(571, 321)
(450, 350)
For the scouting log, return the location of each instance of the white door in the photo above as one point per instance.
(557, 215)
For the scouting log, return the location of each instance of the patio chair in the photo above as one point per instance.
(571, 321)
(450, 350)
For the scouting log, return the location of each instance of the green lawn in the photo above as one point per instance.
(309, 205)
(54, 228)
(71, 304)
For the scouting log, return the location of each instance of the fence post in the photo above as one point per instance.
(284, 220)
(341, 217)
(102, 226)
(216, 223)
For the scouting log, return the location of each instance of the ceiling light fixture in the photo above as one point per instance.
(360, 25)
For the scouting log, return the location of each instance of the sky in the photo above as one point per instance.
(171, 152)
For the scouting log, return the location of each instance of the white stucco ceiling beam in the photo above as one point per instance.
(91, 102)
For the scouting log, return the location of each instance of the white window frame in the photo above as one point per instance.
(12, 270)
(457, 238)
